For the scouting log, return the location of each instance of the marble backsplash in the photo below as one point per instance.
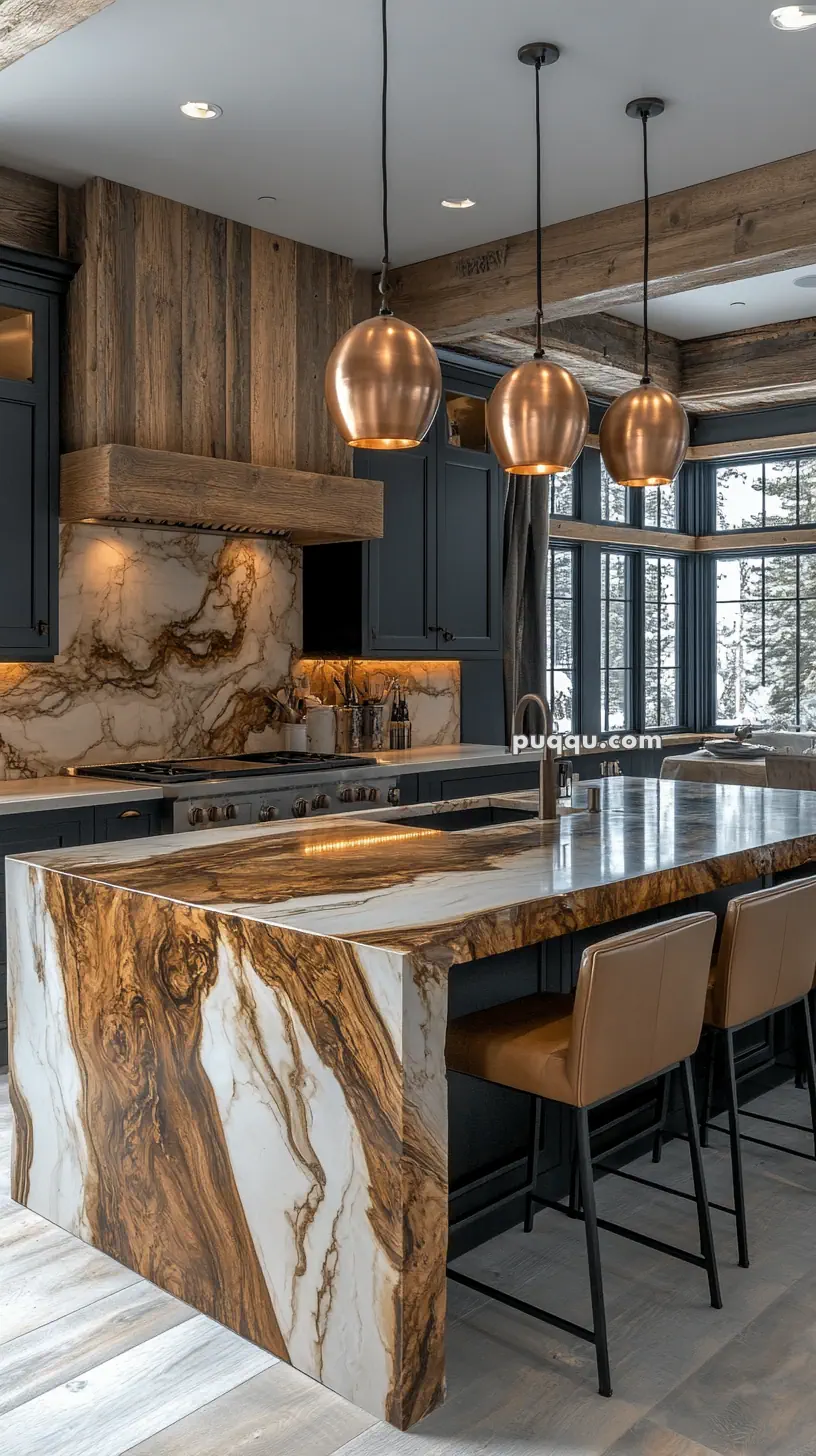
(432, 691)
(171, 643)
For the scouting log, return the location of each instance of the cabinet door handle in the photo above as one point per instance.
(131, 814)
(448, 636)
(42, 629)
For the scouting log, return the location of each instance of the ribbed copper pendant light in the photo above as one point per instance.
(645, 434)
(383, 381)
(538, 414)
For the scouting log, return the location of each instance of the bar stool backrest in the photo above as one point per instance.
(786, 771)
(767, 953)
(639, 1005)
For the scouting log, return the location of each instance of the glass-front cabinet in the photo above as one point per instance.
(31, 287)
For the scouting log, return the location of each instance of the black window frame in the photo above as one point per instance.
(763, 458)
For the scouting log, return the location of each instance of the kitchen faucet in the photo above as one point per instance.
(546, 772)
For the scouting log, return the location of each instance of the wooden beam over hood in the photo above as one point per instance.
(27, 24)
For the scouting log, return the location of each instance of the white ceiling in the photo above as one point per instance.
(298, 81)
(771, 299)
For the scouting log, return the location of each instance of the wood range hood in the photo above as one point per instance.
(192, 391)
(126, 483)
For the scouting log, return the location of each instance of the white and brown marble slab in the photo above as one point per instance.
(228, 1048)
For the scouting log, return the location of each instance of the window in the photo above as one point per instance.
(660, 506)
(766, 639)
(766, 493)
(614, 505)
(561, 638)
(616, 639)
(660, 641)
(562, 494)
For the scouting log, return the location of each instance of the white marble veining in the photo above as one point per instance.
(170, 644)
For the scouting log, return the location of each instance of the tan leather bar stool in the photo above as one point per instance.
(637, 1013)
(765, 964)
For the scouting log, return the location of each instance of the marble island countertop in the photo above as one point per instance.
(467, 893)
(228, 1049)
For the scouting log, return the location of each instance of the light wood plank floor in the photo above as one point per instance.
(96, 1362)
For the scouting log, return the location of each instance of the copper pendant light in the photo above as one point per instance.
(645, 434)
(538, 414)
(383, 382)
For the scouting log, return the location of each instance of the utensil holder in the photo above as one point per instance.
(349, 728)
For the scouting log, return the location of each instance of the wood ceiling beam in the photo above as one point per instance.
(605, 353)
(775, 364)
(771, 365)
(27, 24)
(749, 223)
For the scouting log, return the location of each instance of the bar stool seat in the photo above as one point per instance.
(765, 964)
(636, 1015)
(522, 1044)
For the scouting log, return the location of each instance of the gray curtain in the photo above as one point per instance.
(526, 538)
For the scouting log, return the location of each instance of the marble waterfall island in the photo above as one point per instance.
(227, 1065)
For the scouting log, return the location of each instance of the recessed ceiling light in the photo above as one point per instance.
(458, 202)
(738, 303)
(267, 197)
(808, 280)
(201, 110)
(794, 17)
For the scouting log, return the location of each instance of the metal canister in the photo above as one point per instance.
(374, 726)
(349, 728)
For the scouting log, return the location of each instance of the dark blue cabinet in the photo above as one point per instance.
(30, 291)
(432, 586)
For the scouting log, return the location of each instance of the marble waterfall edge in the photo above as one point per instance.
(183, 1101)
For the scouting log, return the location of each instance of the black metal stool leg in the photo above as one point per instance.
(698, 1172)
(736, 1151)
(665, 1094)
(532, 1162)
(593, 1252)
(575, 1192)
(708, 1093)
(810, 1064)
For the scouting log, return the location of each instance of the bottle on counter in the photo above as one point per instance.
(399, 729)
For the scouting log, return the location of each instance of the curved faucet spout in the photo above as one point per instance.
(547, 797)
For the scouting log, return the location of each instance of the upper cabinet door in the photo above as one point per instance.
(28, 493)
(469, 515)
(402, 566)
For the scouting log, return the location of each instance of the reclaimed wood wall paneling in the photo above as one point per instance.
(188, 332)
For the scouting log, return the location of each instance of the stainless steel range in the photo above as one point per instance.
(255, 788)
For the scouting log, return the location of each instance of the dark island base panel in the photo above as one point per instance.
(249, 1099)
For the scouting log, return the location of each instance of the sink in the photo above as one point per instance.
(457, 819)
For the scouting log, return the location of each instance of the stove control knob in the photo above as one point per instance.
(360, 794)
(346, 795)
(230, 812)
(215, 812)
(196, 815)
(373, 795)
(394, 795)
(267, 812)
(300, 808)
(321, 801)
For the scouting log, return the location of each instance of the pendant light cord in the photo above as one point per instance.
(539, 352)
(644, 117)
(385, 287)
